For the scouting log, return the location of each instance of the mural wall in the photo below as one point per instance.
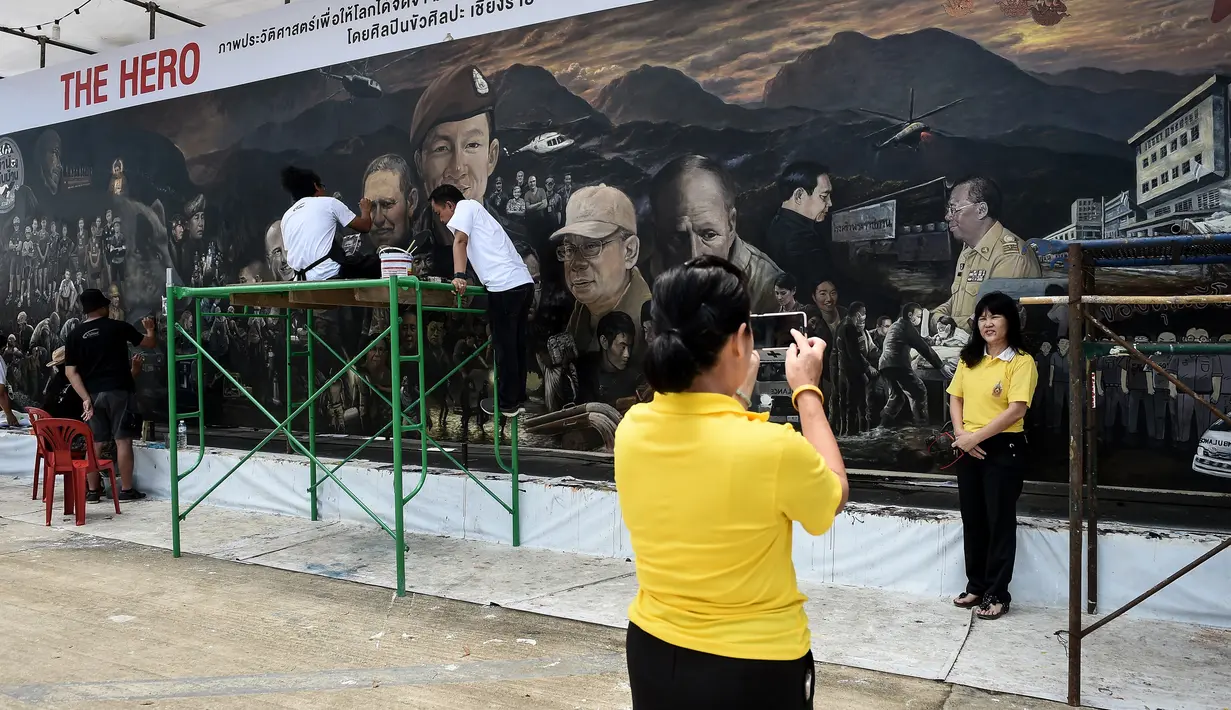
(820, 145)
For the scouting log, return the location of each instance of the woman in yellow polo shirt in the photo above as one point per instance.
(710, 493)
(989, 395)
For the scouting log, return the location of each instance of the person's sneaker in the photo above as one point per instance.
(131, 494)
(93, 496)
(488, 406)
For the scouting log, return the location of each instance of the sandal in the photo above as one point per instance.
(966, 600)
(985, 610)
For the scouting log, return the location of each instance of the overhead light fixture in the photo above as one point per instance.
(55, 30)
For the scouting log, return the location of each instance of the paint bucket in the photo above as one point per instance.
(395, 262)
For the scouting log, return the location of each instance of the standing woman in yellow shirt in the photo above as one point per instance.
(989, 395)
(710, 493)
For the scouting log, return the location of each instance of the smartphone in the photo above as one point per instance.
(771, 332)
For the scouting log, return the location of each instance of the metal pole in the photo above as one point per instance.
(173, 419)
(1131, 300)
(310, 321)
(395, 367)
(42, 53)
(42, 39)
(516, 502)
(196, 312)
(1091, 442)
(1157, 588)
(153, 9)
(1076, 465)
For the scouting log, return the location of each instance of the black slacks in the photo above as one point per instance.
(667, 677)
(988, 490)
(508, 312)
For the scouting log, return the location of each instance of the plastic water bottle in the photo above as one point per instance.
(181, 439)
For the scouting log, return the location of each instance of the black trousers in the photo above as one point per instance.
(988, 490)
(667, 677)
(508, 313)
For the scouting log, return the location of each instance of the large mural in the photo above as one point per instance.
(876, 164)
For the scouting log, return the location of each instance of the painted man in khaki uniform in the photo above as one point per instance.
(989, 250)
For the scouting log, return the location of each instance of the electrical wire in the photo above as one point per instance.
(56, 21)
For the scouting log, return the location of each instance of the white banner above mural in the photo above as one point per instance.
(303, 35)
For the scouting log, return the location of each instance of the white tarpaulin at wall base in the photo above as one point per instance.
(301, 36)
(901, 549)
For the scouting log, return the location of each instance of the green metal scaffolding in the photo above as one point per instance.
(394, 293)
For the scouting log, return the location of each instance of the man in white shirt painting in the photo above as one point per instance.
(479, 239)
(309, 228)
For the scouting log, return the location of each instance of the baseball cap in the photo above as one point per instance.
(92, 299)
(597, 211)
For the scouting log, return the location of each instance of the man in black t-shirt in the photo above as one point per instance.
(97, 364)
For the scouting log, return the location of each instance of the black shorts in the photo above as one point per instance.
(667, 677)
(115, 417)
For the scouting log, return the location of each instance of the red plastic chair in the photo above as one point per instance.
(58, 435)
(40, 456)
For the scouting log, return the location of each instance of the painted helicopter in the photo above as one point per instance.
(910, 131)
(546, 142)
(358, 84)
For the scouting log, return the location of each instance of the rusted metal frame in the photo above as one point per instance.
(1092, 457)
(1157, 588)
(1077, 395)
(1136, 354)
(1196, 300)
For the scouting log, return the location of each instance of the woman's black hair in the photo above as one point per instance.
(998, 304)
(698, 306)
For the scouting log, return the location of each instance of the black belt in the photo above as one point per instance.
(302, 274)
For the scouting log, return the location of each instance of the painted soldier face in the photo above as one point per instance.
(1045, 349)
(521, 178)
(517, 192)
(883, 325)
(499, 185)
(1197, 335)
(1166, 337)
(533, 182)
(860, 319)
(1063, 346)
(459, 153)
(915, 317)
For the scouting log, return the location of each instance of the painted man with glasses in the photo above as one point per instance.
(598, 246)
(989, 250)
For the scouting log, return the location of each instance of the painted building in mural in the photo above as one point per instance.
(823, 146)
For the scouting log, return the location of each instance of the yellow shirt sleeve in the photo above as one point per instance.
(1023, 377)
(808, 490)
(959, 378)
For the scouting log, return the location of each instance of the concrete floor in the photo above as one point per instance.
(102, 623)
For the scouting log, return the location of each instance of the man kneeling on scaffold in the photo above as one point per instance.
(309, 228)
(479, 239)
